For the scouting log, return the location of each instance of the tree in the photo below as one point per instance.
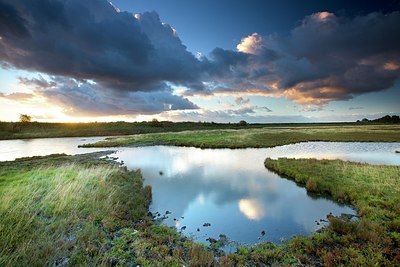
(155, 123)
(25, 118)
(242, 123)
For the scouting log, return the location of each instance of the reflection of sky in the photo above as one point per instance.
(230, 189)
(371, 152)
(12, 149)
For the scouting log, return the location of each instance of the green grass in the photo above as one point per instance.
(260, 137)
(64, 210)
(17, 130)
(82, 211)
(373, 190)
(55, 210)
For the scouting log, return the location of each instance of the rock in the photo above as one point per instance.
(222, 236)
(211, 240)
(167, 212)
(198, 229)
(262, 233)
(161, 173)
(62, 262)
(183, 228)
(206, 224)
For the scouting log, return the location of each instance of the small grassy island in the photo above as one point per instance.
(273, 135)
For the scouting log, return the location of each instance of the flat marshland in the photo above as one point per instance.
(82, 211)
(260, 137)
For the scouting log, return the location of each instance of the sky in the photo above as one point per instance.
(222, 61)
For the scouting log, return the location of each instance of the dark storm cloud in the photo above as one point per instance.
(91, 40)
(324, 58)
(121, 63)
(11, 24)
(84, 98)
(115, 57)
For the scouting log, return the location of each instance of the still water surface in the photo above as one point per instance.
(230, 189)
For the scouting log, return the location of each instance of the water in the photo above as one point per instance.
(371, 152)
(12, 149)
(230, 189)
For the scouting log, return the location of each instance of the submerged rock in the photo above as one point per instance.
(206, 224)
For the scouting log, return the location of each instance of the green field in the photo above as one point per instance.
(261, 137)
(20, 130)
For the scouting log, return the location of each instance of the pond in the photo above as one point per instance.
(210, 192)
(232, 190)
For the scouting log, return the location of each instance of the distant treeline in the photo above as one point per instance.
(385, 119)
(28, 129)
(17, 130)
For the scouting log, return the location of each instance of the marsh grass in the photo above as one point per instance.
(373, 190)
(260, 137)
(66, 214)
(81, 211)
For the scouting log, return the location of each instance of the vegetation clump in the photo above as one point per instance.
(373, 190)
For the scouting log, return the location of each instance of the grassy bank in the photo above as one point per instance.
(78, 210)
(374, 191)
(63, 210)
(261, 137)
